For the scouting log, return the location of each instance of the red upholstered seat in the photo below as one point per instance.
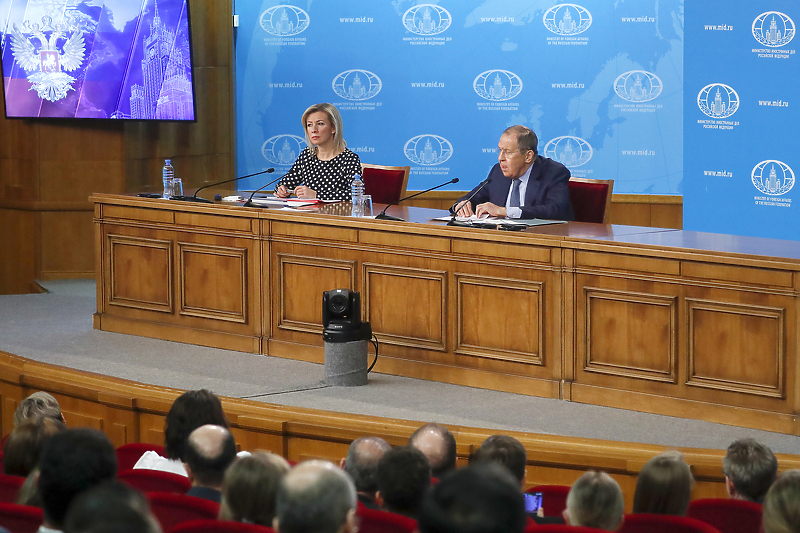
(129, 454)
(386, 184)
(559, 528)
(20, 518)
(155, 481)
(376, 521)
(661, 523)
(591, 199)
(727, 515)
(172, 509)
(554, 498)
(9, 487)
(218, 526)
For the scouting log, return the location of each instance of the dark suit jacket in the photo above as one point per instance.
(546, 196)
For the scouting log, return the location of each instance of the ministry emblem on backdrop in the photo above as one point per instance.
(569, 151)
(497, 85)
(773, 177)
(773, 29)
(567, 19)
(427, 19)
(60, 49)
(638, 86)
(283, 149)
(718, 100)
(284, 21)
(428, 149)
(357, 85)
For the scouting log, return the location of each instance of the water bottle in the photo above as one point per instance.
(357, 196)
(168, 177)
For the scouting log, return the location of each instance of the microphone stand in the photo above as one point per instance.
(195, 198)
(249, 202)
(453, 221)
(384, 216)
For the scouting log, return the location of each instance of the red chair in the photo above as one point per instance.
(9, 487)
(590, 199)
(173, 509)
(661, 523)
(727, 515)
(219, 526)
(129, 454)
(559, 528)
(554, 498)
(155, 481)
(20, 518)
(386, 184)
(376, 521)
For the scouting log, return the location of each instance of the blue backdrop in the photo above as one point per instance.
(432, 85)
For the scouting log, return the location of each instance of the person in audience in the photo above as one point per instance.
(25, 443)
(72, 461)
(361, 464)
(595, 500)
(664, 486)
(38, 404)
(750, 469)
(438, 445)
(250, 486)
(111, 506)
(189, 411)
(209, 451)
(781, 508)
(403, 477)
(479, 498)
(316, 496)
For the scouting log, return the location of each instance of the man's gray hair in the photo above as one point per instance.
(751, 467)
(315, 496)
(526, 138)
(38, 404)
(596, 500)
(362, 462)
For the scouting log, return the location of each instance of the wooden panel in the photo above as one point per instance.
(630, 334)
(315, 231)
(406, 306)
(212, 221)
(736, 347)
(500, 318)
(399, 240)
(67, 245)
(18, 253)
(504, 251)
(760, 276)
(161, 216)
(627, 262)
(141, 273)
(213, 282)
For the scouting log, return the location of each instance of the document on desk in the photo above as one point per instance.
(507, 221)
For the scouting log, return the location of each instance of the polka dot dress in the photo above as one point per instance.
(330, 179)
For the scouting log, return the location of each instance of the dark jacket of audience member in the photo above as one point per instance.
(189, 411)
(403, 477)
(480, 498)
(750, 469)
(361, 464)
(438, 445)
(781, 508)
(111, 506)
(72, 461)
(250, 487)
(24, 445)
(209, 451)
(664, 486)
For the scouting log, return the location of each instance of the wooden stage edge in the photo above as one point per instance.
(128, 411)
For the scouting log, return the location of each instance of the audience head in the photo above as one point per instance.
(506, 451)
(480, 498)
(315, 496)
(38, 404)
(25, 443)
(209, 452)
(72, 461)
(595, 500)
(403, 477)
(361, 463)
(664, 486)
(250, 486)
(781, 508)
(190, 410)
(438, 445)
(110, 506)
(749, 468)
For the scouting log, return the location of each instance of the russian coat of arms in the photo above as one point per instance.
(60, 49)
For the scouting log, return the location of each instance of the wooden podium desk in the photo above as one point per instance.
(663, 321)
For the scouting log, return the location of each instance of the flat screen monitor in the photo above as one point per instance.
(97, 59)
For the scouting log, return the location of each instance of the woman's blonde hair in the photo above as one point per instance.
(336, 121)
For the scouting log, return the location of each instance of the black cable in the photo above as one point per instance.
(374, 341)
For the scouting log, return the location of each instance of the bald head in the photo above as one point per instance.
(362, 463)
(315, 496)
(209, 451)
(438, 445)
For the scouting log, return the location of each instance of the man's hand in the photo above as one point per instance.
(465, 209)
(490, 209)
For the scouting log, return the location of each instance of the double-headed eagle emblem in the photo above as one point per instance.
(45, 64)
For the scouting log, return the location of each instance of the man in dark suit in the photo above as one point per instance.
(523, 184)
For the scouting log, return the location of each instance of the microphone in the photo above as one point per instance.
(384, 216)
(471, 196)
(249, 202)
(195, 198)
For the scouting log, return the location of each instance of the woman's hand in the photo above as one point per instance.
(282, 192)
(304, 192)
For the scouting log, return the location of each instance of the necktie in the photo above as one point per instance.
(514, 202)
